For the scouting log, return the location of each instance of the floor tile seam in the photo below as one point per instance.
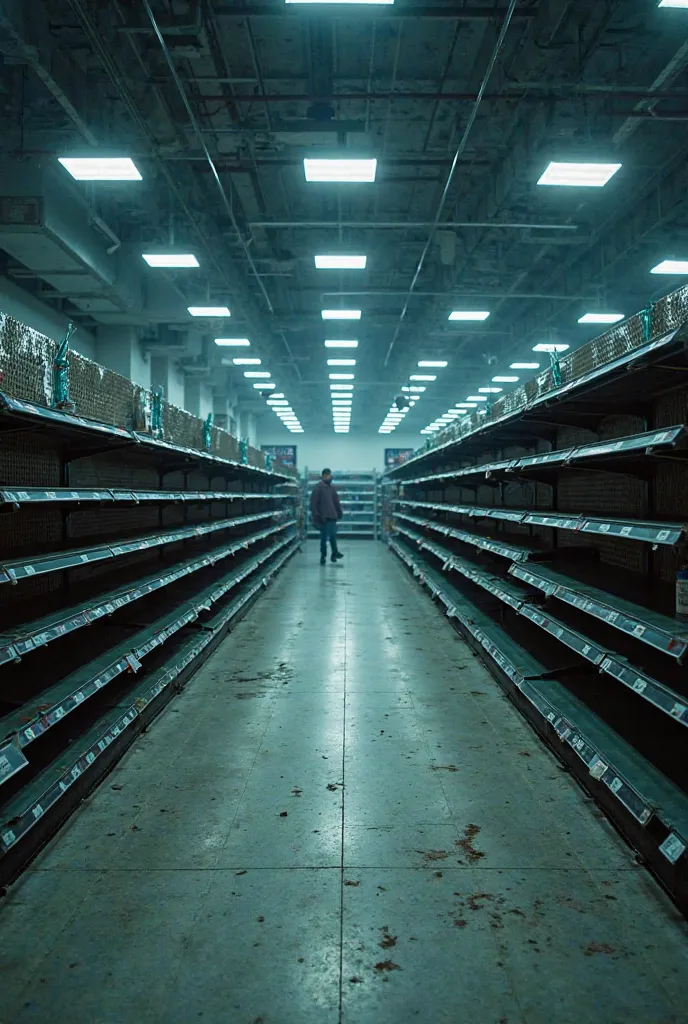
(591, 872)
(340, 993)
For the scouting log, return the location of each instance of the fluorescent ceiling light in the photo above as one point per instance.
(579, 174)
(429, 363)
(232, 342)
(415, 388)
(209, 310)
(339, 1)
(683, 4)
(340, 262)
(422, 376)
(505, 380)
(546, 346)
(601, 318)
(280, 395)
(464, 406)
(339, 169)
(671, 267)
(256, 373)
(278, 402)
(341, 362)
(341, 387)
(162, 259)
(459, 314)
(239, 361)
(101, 168)
(490, 391)
(340, 314)
(342, 376)
(476, 398)
(524, 366)
(341, 344)
(264, 387)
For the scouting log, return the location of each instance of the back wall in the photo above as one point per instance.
(338, 451)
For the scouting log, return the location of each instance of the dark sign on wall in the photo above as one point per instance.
(286, 453)
(395, 456)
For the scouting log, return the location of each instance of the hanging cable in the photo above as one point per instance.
(457, 156)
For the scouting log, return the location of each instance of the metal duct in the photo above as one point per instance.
(49, 229)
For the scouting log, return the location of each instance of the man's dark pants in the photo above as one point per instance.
(328, 532)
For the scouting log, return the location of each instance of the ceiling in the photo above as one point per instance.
(463, 104)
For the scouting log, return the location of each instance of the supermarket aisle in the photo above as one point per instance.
(341, 819)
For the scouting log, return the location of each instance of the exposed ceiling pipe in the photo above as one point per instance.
(450, 177)
(445, 13)
(519, 93)
(410, 225)
(206, 152)
(455, 297)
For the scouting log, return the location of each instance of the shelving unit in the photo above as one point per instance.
(551, 530)
(359, 494)
(124, 560)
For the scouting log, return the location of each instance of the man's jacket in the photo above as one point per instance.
(324, 503)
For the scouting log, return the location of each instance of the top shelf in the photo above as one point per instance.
(86, 437)
(613, 385)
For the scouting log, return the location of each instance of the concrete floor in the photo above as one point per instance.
(341, 819)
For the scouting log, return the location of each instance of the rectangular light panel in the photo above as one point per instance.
(264, 387)
(674, 3)
(340, 314)
(547, 346)
(339, 169)
(257, 373)
(239, 361)
(209, 310)
(581, 175)
(167, 259)
(671, 267)
(430, 363)
(504, 380)
(232, 342)
(422, 376)
(601, 318)
(341, 362)
(341, 344)
(386, 2)
(342, 376)
(524, 366)
(476, 315)
(324, 262)
(101, 168)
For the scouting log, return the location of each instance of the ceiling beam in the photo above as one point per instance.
(25, 34)
(405, 225)
(391, 12)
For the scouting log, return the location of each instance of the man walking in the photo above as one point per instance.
(326, 512)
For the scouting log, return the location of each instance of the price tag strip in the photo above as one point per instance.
(666, 534)
(659, 631)
(19, 643)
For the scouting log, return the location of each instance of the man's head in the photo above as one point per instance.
(326, 475)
